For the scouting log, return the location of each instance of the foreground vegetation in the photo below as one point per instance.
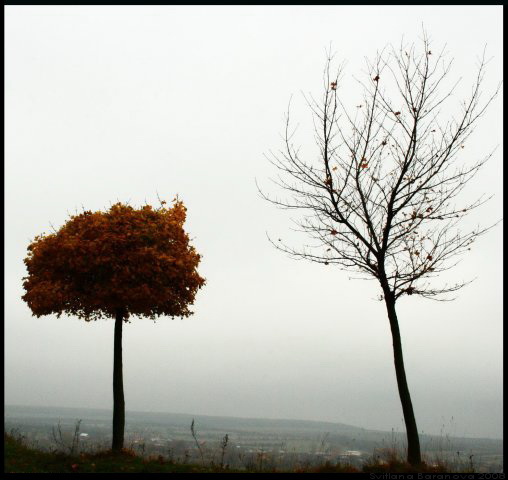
(20, 458)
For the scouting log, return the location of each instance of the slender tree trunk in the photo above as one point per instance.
(118, 398)
(413, 442)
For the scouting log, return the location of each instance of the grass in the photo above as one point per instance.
(20, 458)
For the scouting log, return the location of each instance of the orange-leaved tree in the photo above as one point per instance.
(117, 263)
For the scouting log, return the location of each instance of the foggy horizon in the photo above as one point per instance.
(445, 428)
(132, 103)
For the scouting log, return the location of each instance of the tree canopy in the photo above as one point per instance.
(138, 260)
(381, 198)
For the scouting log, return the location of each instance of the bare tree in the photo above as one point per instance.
(381, 198)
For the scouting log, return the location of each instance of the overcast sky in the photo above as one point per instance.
(107, 104)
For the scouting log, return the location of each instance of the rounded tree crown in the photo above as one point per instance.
(138, 261)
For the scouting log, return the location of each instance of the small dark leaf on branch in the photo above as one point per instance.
(333, 232)
(397, 113)
(376, 78)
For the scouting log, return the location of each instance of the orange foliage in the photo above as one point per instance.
(137, 260)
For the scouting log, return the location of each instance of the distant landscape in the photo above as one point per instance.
(251, 442)
(243, 212)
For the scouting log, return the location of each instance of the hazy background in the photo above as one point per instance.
(107, 104)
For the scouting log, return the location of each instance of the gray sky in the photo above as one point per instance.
(107, 104)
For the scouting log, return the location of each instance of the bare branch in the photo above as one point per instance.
(380, 199)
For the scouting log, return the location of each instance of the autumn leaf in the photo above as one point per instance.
(137, 259)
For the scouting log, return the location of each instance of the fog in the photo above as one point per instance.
(107, 104)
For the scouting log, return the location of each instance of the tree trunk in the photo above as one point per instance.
(413, 442)
(118, 398)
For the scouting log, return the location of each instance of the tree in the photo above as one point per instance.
(115, 264)
(380, 199)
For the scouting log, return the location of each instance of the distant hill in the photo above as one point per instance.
(182, 419)
(228, 424)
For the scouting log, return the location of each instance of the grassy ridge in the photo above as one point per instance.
(20, 458)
